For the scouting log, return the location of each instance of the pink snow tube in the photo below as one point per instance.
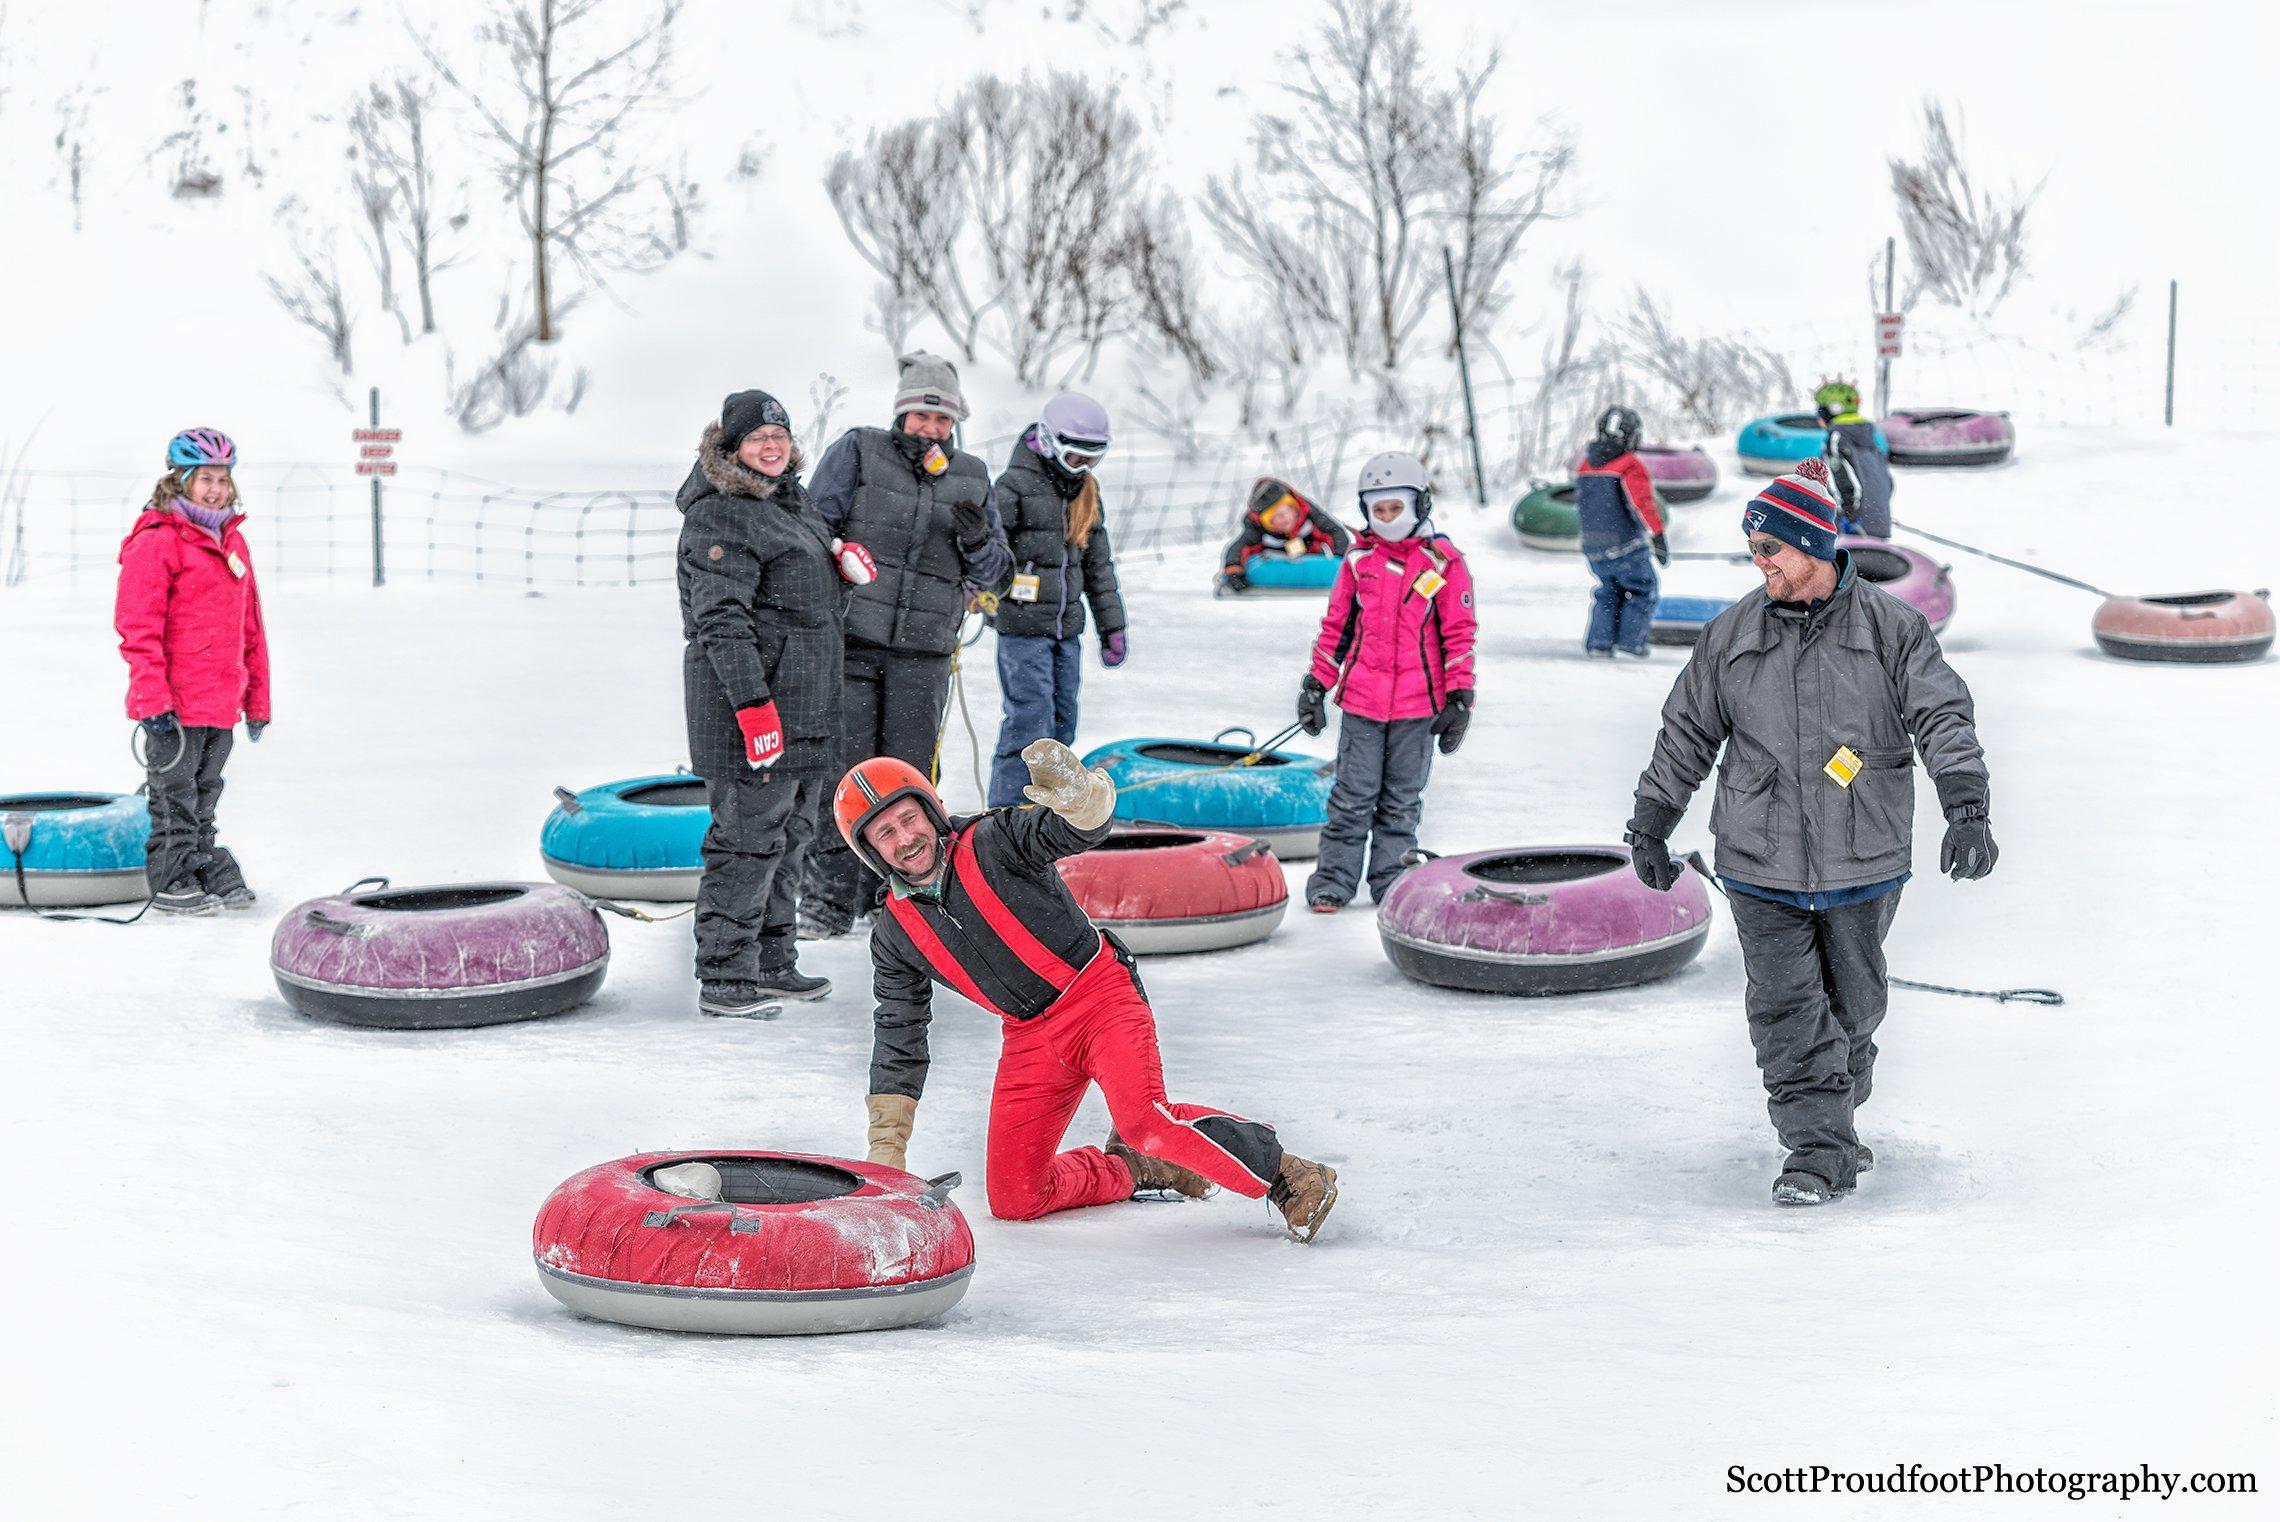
(1910, 575)
(1540, 920)
(1949, 436)
(2201, 627)
(1679, 474)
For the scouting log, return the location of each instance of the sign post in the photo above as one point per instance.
(375, 450)
(1887, 338)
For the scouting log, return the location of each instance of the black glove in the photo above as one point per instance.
(1311, 692)
(1662, 550)
(1233, 579)
(1968, 853)
(970, 521)
(1651, 859)
(253, 729)
(1454, 719)
(159, 725)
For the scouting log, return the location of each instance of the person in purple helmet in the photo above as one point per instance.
(1061, 562)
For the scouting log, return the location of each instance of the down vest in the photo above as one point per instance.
(760, 609)
(1780, 689)
(1398, 636)
(189, 622)
(1036, 509)
(867, 492)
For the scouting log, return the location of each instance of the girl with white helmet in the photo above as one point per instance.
(1396, 654)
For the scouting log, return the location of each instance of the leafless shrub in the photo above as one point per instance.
(312, 291)
(579, 76)
(515, 380)
(825, 393)
(1698, 384)
(1567, 385)
(71, 144)
(1495, 199)
(191, 171)
(1966, 247)
(2104, 328)
(392, 132)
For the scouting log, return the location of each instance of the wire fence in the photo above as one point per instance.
(314, 522)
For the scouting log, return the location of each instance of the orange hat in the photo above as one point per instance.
(869, 788)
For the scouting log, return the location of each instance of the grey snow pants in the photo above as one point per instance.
(1376, 802)
(182, 853)
(1816, 995)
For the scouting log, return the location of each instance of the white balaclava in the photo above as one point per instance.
(1401, 527)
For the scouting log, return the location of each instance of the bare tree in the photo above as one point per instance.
(825, 393)
(580, 73)
(1568, 383)
(192, 172)
(1966, 247)
(392, 143)
(1019, 219)
(1701, 384)
(515, 380)
(71, 110)
(684, 202)
(1495, 199)
(312, 291)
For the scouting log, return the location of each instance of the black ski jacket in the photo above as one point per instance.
(1035, 503)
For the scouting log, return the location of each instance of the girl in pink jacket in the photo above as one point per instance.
(1396, 652)
(189, 622)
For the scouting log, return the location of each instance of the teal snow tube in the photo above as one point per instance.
(641, 838)
(1280, 798)
(70, 850)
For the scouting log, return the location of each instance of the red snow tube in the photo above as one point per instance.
(2203, 627)
(1180, 890)
(796, 1244)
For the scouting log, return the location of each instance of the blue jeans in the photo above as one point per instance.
(1376, 802)
(1623, 604)
(1039, 676)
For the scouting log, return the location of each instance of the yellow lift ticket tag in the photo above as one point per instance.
(1843, 766)
(1024, 588)
(1428, 582)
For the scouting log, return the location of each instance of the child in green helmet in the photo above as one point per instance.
(1864, 480)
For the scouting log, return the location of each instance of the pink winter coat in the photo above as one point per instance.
(1398, 637)
(189, 622)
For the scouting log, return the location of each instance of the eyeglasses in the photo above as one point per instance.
(770, 435)
(1765, 549)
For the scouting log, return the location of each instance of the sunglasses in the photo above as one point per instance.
(1765, 549)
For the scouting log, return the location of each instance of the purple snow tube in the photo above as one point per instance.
(1949, 436)
(1680, 472)
(1540, 920)
(1910, 575)
(442, 957)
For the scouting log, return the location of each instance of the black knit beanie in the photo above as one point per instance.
(747, 410)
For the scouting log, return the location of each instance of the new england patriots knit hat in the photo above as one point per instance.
(1798, 509)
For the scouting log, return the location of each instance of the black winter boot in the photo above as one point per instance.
(788, 982)
(736, 999)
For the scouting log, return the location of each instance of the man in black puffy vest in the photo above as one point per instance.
(922, 508)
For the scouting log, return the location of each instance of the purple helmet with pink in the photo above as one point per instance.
(1072, 432)
(193, 447)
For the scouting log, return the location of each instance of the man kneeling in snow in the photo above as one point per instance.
(977, 905)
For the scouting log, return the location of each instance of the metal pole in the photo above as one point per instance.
(2169, 375)
(1464, 375)
(379, 551)
(1884, 365)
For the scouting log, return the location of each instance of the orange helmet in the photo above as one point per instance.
(869, 788)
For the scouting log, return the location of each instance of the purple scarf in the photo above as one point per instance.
(207, 518)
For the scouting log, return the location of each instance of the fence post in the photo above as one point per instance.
(2169, 372)
(1464, 375)
(379, 550)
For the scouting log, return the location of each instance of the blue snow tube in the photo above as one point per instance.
(1681, 620)
(1771, 446)
(1282, 798)
(640, 838)
(1280, 573)
(70, 850)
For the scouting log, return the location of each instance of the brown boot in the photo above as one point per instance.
(1304, 1193)
(1152, 1175)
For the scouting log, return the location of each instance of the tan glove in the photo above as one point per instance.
(1059, 781)
(892, 1117)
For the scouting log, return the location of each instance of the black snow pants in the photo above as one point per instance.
(183, 795)
(754, 853)
(890, 704)
(1816, 995)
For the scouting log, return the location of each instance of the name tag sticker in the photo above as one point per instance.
(1428, 582)
(1843, 766)
(237, 566)
(1024, 588)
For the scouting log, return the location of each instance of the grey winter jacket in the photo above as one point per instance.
(867, 492)
(1780, 690)
(760, 609)
(1036, 506)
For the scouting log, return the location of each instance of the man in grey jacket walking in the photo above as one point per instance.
(1820, 691)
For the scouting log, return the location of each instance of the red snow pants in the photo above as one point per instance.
(1102, 1031)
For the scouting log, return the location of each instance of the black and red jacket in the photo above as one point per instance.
(1318, 532)
(998, 926)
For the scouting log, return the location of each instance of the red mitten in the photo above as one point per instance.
(763, 735)
(854, 563)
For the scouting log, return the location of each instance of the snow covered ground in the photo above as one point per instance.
(264, 1267)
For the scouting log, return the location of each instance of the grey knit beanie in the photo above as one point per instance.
(929, 383)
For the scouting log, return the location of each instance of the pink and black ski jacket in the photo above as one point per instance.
(1398, 637)
(189, 622)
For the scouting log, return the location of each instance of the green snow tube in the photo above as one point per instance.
(1545, 518)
